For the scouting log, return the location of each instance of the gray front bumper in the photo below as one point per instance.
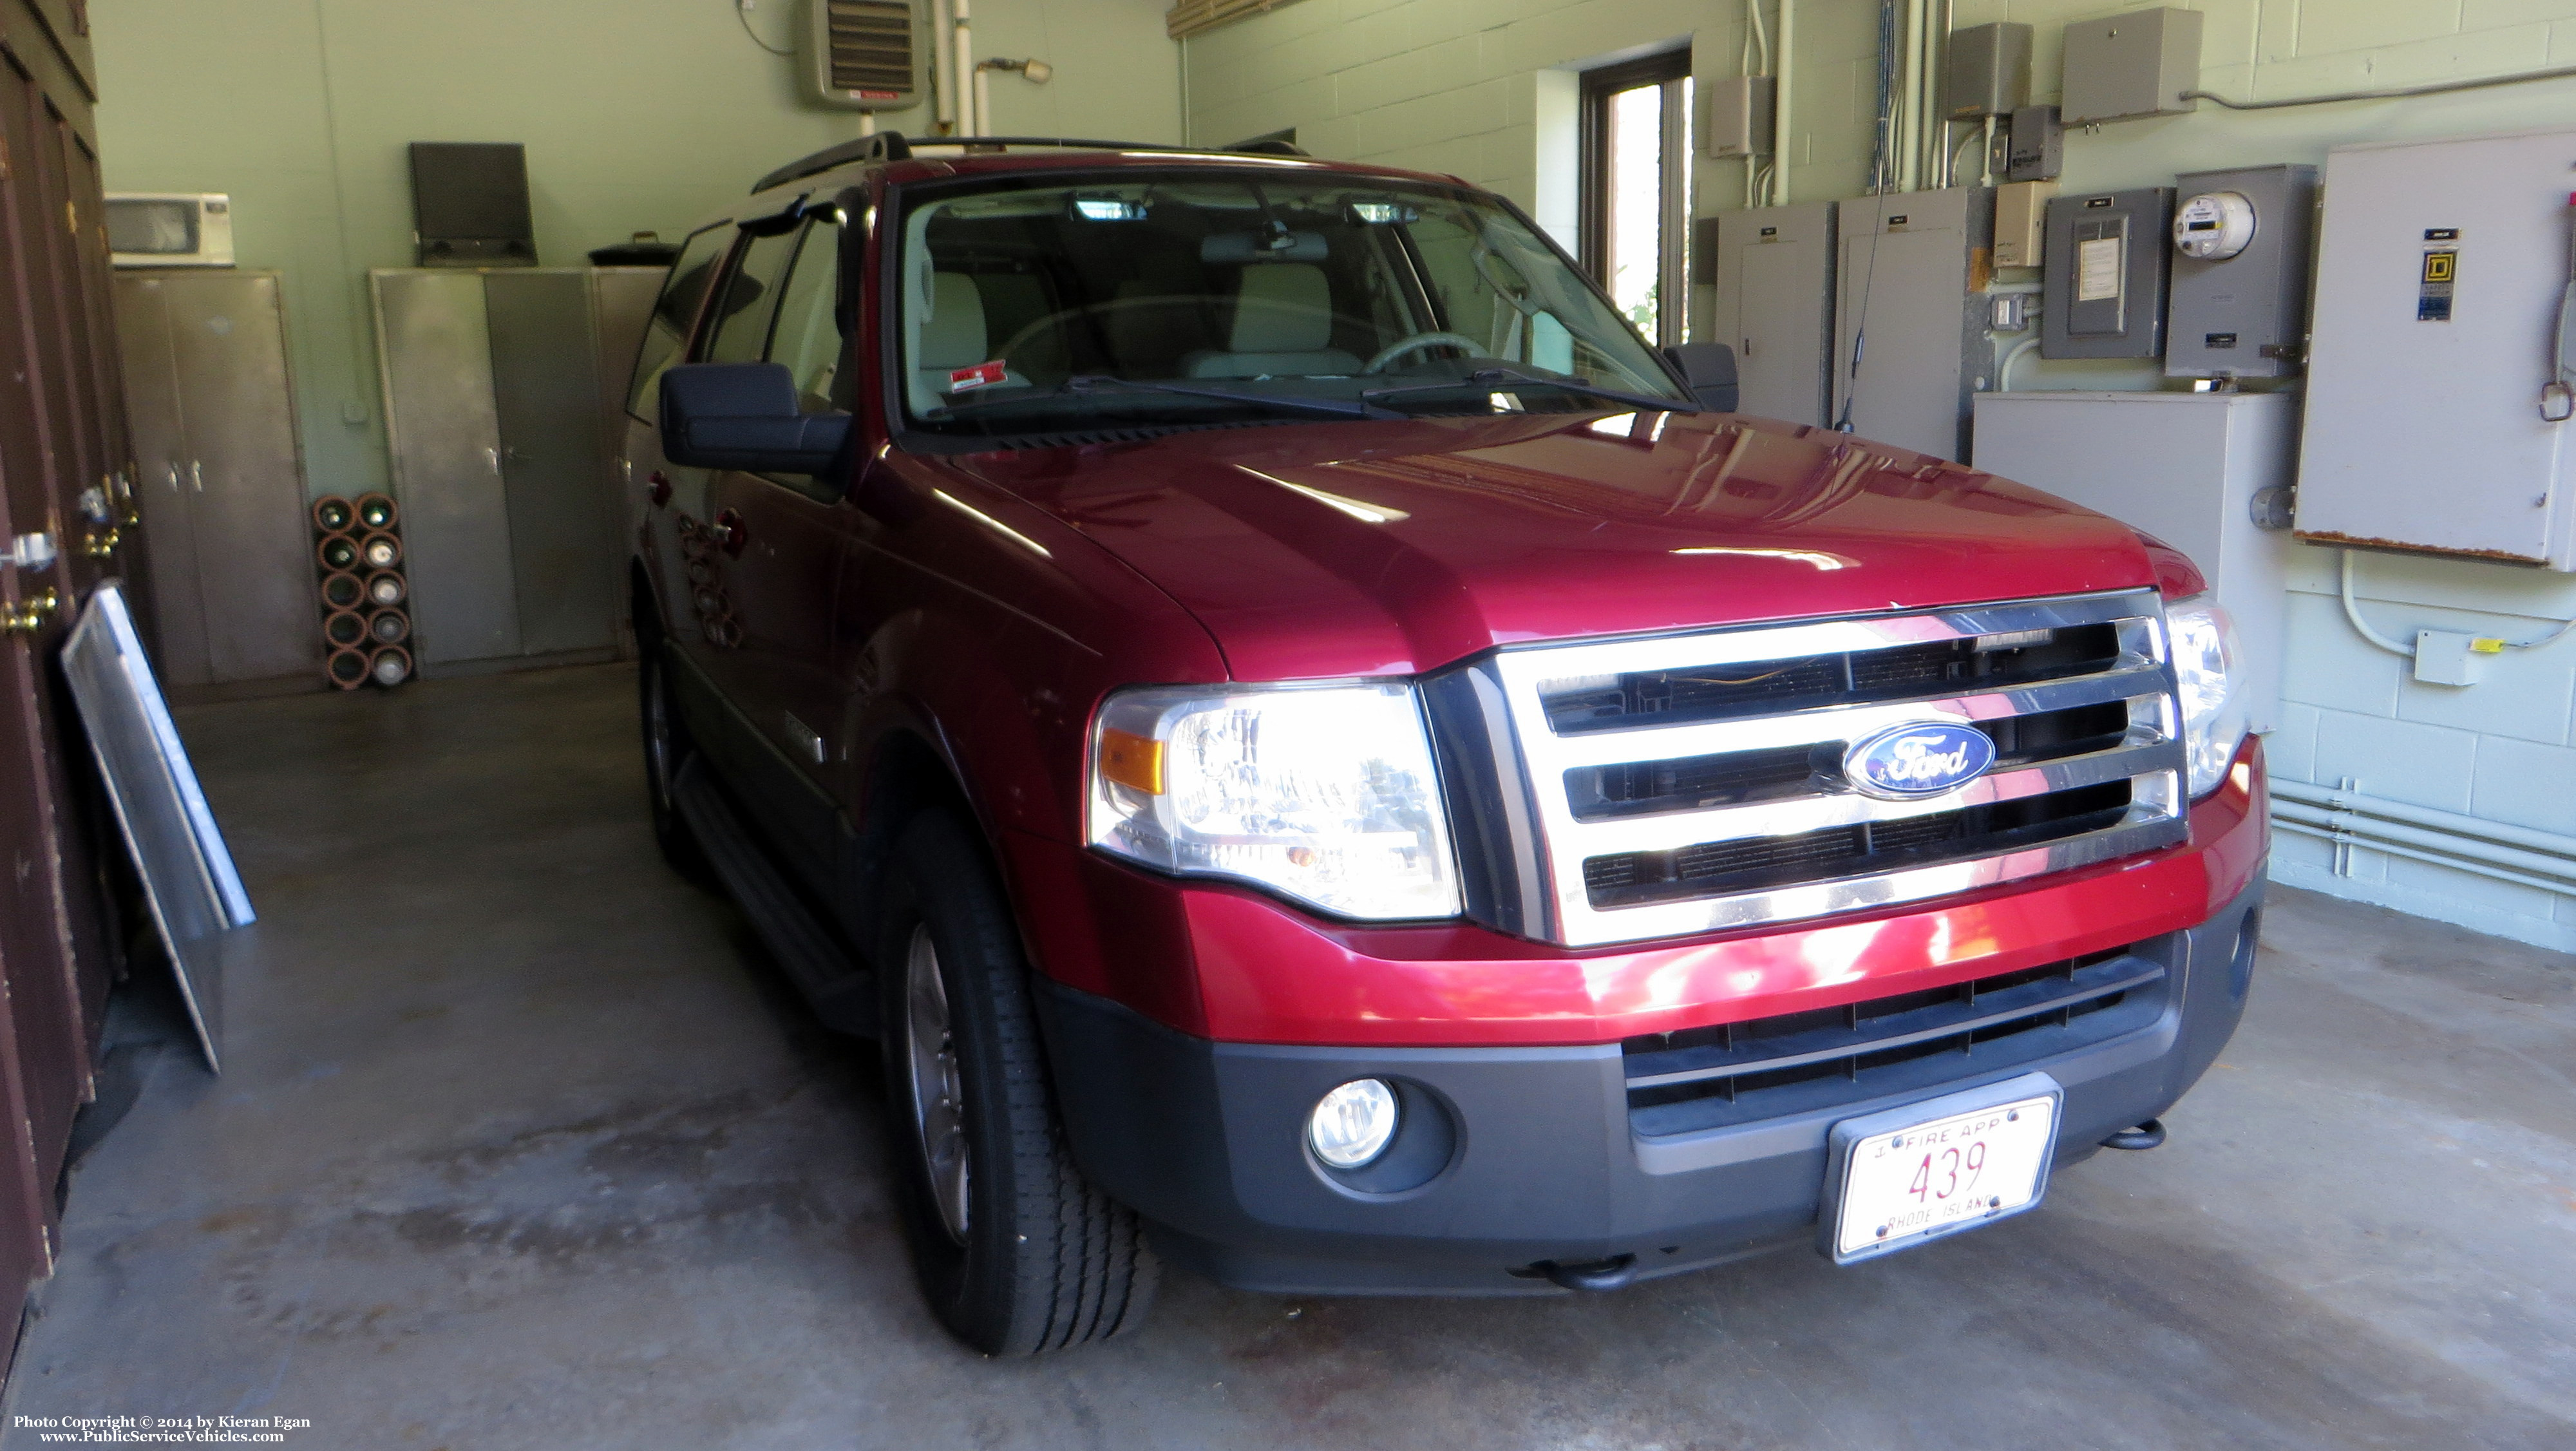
(1206, 1141)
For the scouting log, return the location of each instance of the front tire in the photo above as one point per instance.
(1015, 1250)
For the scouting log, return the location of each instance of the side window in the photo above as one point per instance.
(668, 331)
(750, 297)
(808, 336)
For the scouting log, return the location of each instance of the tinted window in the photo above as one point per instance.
(808, 336)
(672, 312)
(750, 297)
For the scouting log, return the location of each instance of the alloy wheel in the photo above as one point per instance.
(938, 1098)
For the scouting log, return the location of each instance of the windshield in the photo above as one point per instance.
(1036, 305)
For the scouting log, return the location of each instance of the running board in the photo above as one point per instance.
(839, 988)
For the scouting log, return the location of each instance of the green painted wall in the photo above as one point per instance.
(637, 115)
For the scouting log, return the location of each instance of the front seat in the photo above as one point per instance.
(953, 335)
(1283, 324)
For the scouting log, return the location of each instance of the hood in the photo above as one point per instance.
(1397, 547)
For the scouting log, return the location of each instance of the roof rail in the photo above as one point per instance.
(881, 146)
(895, 146)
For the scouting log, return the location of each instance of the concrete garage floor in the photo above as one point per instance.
(521, 1143)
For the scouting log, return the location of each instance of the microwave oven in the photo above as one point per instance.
(170, 228)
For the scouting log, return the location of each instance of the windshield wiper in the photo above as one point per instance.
(1081, 383)
(1484, 377)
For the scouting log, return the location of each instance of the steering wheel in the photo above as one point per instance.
(1402, 346)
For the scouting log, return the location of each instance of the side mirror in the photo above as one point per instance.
(744, 416)
(1708, 371)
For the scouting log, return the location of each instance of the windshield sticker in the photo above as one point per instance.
(982, 375)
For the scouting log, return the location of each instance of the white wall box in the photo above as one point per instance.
(1739, 116)
(2184, 467)
(2440, 279)
(1774, 272)
(1912, 272)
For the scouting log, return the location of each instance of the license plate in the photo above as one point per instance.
(1928, 1169)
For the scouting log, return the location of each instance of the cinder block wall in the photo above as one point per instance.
(1484, 89)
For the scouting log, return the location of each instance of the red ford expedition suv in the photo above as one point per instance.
(1323, 758)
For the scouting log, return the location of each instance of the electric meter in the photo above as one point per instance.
(2214, 225)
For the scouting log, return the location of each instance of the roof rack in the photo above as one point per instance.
(895, 146)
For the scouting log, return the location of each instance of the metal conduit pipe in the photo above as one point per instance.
(2557, 874)
(2451, 823)
(2457, 864)
(1780, 129)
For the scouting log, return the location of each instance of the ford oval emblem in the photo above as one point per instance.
(1917, 759)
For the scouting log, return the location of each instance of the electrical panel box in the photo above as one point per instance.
(2103, 295)
(1910, 347)
(1739, 116)
(2137, 63)
(1988, 73)
(2035, 146)
(2021, 222)
(2239, 306)
(1773, 268)
(2189, 468)
(2435, 402)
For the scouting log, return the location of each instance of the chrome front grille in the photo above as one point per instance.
(1692, 783)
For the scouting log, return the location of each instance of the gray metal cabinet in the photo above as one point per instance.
(1909, 304)
(1774, 270)
(493, 406)
(221, 483)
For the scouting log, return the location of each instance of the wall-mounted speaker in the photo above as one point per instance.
(469, 202)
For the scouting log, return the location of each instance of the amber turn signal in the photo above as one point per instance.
(1132, 760)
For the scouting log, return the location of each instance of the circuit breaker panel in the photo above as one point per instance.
(2441, 351)
(2104, 294)
(1773, 268)
(2240, 272)
(1910, 348)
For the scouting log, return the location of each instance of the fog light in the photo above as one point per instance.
(1353, 1124)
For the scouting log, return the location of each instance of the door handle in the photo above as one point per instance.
(29, 615)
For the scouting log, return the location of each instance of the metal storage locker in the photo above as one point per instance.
(221, 483)
(493, 404)
(1913, 267)
(444, 430)
(1774, 270)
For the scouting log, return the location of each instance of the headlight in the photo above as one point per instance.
(1326, 794)
(2206, 661)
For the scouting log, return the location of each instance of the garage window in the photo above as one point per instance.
(1636, 187)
